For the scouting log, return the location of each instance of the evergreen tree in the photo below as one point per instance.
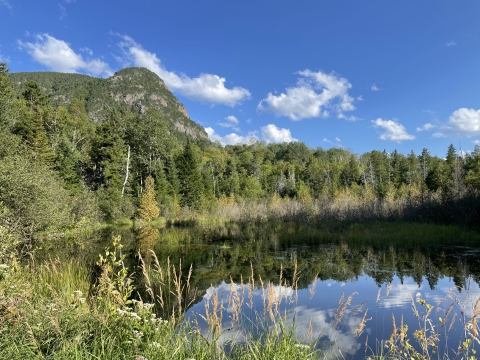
(172, 177)
(191, 186)
(8, 108)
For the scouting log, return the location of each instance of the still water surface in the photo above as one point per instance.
(384, 279)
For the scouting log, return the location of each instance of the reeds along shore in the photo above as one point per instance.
(349, 206)
(56, 310)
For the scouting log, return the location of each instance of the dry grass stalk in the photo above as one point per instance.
(314, 285)
(389, 287)
(378, 295)
(342, 306)
(213, 316)
(235, 302)
(415, 311)
(310, 331)
(357, 309)
(454, 317)
(472, 324)
(361, 326)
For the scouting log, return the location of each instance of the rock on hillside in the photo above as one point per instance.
(133, 89)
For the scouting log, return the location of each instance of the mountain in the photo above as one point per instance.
(131, 89)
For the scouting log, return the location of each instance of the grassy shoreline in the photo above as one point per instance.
(59, 309)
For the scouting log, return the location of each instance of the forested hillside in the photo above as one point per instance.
(66, 161)
(130, 90)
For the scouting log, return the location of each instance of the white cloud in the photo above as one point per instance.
(230, 139)
(63, 12)
(87, 50)
(232, 119)
(249, 121)
(269, 134)
(337, 140)
(451, 43)
(232, 122)
(6, 4)
(374, 87)
(360, 98)
(426, 127)
(462, 122)
(272, 134)
(315, 92)
(476, 142)
(59, 56)
(394, 131)
(206, 87)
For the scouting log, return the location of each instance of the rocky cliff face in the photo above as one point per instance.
(133, 89)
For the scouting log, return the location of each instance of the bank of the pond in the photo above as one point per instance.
(57, 306)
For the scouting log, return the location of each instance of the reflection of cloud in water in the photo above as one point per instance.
(317, 310)
(343, 340)
(399, 295)
(340, 340)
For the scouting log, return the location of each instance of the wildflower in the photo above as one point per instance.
(135, 316)
(148, 306)
(4, 266)
(78, 292)
(121, 312)
(82, 300)
(138, 334)
(303, 346)
(155, 344)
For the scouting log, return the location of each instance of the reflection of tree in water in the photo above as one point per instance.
(146, 238)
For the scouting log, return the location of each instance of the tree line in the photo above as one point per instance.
(55, 158)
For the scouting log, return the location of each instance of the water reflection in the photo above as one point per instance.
(313, 273)
(147, 238)
(314, 310)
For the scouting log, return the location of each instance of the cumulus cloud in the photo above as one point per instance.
(206, 87)
(231, 139)
(315, 92)
(451, 43)
(59, 56)
(273, 134)
(393, 130)
(374, 87)
(426, 127)
(232, 122)
(269, 134)
(462, 122)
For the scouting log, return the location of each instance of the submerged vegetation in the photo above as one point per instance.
(195, 214)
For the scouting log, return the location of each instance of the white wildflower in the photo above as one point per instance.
(155, 344)
(138, 334)
(82, 300)
(135, 316)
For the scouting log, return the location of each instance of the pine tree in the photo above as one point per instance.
(191, 186)
(148, 205)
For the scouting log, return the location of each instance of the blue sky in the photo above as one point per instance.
(363, 75)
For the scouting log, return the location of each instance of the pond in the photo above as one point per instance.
(348, 299)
